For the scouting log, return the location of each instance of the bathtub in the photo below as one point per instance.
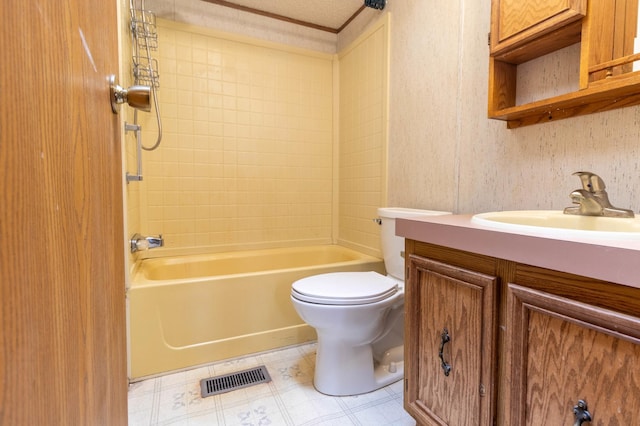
(186, 311)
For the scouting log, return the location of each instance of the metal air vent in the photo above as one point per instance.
(228, 382)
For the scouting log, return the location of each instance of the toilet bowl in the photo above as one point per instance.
(359, 318)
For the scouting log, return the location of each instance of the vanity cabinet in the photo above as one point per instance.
(528, 346)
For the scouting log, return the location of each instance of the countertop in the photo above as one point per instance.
(617, 261)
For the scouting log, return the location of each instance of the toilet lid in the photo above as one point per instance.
(344, 288)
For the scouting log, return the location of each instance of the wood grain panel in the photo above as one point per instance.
(517, 16)
(502, 87)
(600, 34)
(62, 340)
(443, 297)
(606, 295)
(561, 351)
(464, 259)
(609, 35)
(567, 362)
(515, 23)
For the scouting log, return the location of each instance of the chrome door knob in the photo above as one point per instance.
(137, 96)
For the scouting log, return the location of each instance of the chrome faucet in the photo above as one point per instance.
(139, 243)
(592, 199)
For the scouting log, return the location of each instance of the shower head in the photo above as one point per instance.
(375, 4)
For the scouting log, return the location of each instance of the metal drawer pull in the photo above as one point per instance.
(446, 367)
(581, 413)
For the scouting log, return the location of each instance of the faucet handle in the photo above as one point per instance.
(140, 243)
(590, 181)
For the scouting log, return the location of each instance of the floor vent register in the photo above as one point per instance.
(229, 382)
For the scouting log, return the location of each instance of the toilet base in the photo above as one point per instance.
(343, 370)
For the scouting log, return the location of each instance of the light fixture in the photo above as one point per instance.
(375, 4)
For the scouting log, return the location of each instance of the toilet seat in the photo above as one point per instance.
(344, 288)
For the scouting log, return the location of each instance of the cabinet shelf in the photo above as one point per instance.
(609, 94)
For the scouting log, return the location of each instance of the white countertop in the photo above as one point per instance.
(617, 261)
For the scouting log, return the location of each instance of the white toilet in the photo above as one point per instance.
(359, 318)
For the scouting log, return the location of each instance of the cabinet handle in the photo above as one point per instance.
(581, 413)
(446, 367)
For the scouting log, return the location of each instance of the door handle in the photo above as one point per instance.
(444, 339)
(137, 96)
(581, 413)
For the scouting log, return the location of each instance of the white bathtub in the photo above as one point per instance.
(190, 310)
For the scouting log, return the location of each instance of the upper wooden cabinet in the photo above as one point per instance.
(523, 31)
(516, 23)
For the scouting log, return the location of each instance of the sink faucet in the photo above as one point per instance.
(592, 199)
(139, 243)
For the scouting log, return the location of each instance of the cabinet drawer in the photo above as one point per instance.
(562, 352)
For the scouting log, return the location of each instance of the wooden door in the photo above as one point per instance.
(62, 305)
(449, 344)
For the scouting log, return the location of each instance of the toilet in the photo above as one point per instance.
(359, 317)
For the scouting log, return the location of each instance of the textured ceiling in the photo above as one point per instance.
(326, 13)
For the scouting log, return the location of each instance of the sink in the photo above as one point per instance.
(557, 224)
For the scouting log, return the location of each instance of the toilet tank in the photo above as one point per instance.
(392, 245)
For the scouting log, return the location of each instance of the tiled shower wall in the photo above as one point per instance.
(363, 136)
(248, 157)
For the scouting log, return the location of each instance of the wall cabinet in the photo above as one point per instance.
(523, 31)
(516, 23)
(528, 346)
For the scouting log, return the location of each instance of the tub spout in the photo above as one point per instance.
(140, 243)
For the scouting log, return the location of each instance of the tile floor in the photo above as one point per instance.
(289, 399)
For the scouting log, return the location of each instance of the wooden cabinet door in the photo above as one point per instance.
(450, 325)
(516, 22)
(609, 39)
(561, 351)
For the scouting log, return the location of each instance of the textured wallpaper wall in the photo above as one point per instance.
(445, 154)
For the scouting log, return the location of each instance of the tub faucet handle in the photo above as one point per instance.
(140, 243)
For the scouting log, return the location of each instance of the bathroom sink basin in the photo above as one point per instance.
(556, 223)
